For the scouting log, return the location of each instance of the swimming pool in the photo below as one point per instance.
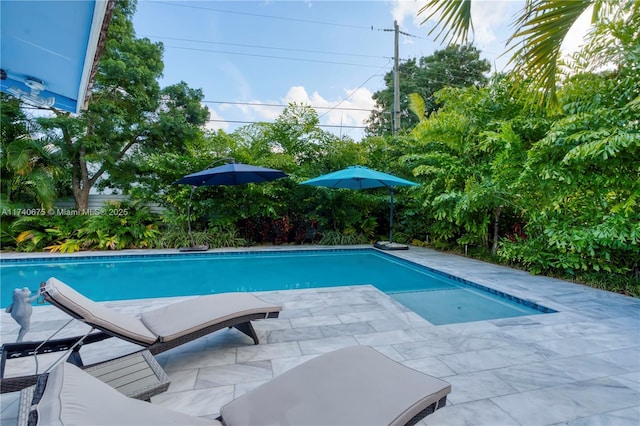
(439, 298)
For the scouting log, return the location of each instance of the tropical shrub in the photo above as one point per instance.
(332, 238)
(116, 226)
(44, 232)
(121, 225)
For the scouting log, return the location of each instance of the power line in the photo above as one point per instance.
(457, 73)
(266, 16)
(399, 32)
(255, 46)
(282, 105)
(258, 122)
(350, 94)
(451, 72)
(273, 57)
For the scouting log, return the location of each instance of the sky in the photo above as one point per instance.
(252, 58)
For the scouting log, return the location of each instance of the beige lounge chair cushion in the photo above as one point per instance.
(74, 397)
(95, 313)
(351, 386)
(179, 319)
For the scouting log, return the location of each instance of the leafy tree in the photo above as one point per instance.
(455, 66)
(129, 115)
(540, 29)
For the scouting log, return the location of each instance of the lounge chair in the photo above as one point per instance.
(351, 386)
(164, 328)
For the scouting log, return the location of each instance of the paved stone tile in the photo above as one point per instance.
(477, 386)
(242, 388)
(474, 413)
(269, 351)
(570, 347)
(389, 324)
(347, 329)
(314, 321)
(182, 380)
(518, 354)
(587, 367)
(232, 374)
(390, 352)
(295, 313)
(294, 334)
(281, 365)
(383, 337)
(467, 362)
(476, 342)
(191, 360)
(425, 348)
(274, 324)
(533, 376)
(624, 417)
(431, 366)
(361, 316)
(328, 344)
(569, 401)
(631, 380)
(342, 309)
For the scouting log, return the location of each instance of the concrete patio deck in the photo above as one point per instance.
(579, 366)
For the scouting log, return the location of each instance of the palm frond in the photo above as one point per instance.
(417, 105)
(539, 32)
(454, 20)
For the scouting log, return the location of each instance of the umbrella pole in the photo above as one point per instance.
(391, 217)
(193, 189)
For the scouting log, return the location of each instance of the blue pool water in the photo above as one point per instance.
(439, 298)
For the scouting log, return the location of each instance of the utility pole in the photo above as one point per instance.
(395, 116)
(396, 79)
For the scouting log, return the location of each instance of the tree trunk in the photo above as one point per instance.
(80, 182)
(81, 198)
(496, 235)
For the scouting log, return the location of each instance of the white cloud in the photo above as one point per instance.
(360, 99)
(253, 110)
(402, 9)
(263, 111)
(492, 24)
(492, 21)
(336, 112)
(352, 110)
(297, 94)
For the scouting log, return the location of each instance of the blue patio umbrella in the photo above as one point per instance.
(360, 177)
(227, 174)
(232, 174)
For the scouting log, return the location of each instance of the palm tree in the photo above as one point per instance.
(540, 29)
(27, 165)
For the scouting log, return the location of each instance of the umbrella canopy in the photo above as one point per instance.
(360, 177)
(232, 174)
(227, 174)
